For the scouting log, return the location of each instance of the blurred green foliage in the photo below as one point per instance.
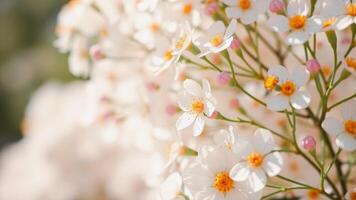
(27, 58)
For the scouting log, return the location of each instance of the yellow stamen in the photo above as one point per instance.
(223, 183)
(329, 22)
(326, 70)
(288, 88)
(353, 195)
(198, 106)
(244, 4)
(255, 159)
(351, 9)
(168, 55)
(155, 27)
(313, 194)
(181, 41)
(216, 40)
(351, 63)
(270, 82)
(350, 127)
(187, 8)
(297, 21)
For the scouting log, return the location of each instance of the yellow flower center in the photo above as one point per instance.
(326, 70)
(181, 41)
(216, 40)
(313, 194)
(297, 21)
(255, 159)
(288, 88)
(155, 27)
(223, 183)
(350, 127)
(351, 63)
(198, 106)
(187, 8)
(329, 22)
(244, 4)
(351, 9)
(270, 82)
(168, 55)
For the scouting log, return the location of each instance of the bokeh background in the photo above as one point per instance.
(27, 58)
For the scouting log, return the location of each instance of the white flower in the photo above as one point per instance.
(163, 56)
(195, 102)
(343, 10)
(79, 58)
(209, 179)
(170, 189)
(218, 38)
(257, 160)
(345, 129)
(226, 138)
(297, 22)
(246, 10)
(289, 86)
(183, 40)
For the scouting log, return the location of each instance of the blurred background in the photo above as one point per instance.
(27, 58)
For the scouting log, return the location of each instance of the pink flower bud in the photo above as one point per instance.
(234, 103)
(171, 109)
(151, 86)
(96, 52)
(223, 78)
(214, 115)
(313, 66)
(308, 143)
(276, 6)
(211, 8)
(235, 44)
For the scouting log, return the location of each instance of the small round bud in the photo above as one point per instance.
(223, 78)
(171, 109)
(276, 6)
(235, 44)
(309, 143)
(211, 8)
(313, 66)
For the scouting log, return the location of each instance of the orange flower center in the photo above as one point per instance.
(168, 55)
(329, 22)
(351, 9)
(155, 27)
(181, 41)
(350, 127)
(288, 88)
(216, 40)
(353, 195)
(223, 183)
(326, 70)
(313, 194)
(351, 63)
(297, 21)
(255, 159)
(270, 82)
(187, 8)
(244, 4)
(198, 106)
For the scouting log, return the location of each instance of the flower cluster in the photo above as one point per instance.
(219, 99)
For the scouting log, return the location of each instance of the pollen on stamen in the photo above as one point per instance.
(288, 88)
(270, 82)
(216, 40)
(350, 127)
(223, 183)
(351, 9)
(297, 21)
(244, 4)
(255, 159)
(187, 8)
(198, 106)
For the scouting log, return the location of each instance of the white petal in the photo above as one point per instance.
(192, 87)
(230, 30)
(233, 12)
(217, 27)
(300, 99)
(314, 24)
(278, 23)
(230, 2)
(198, 125)
(272, 164)
(280, 72)
(249, 17)
(332, 126)
(343, 23)
(236, 194)
(263, 141)
(300, 76)
(297, 37)
(348, 110)
(257, 180)
(209, 108)
(261, 6)
(240, 171)
(185, 102)
(216, 160)
(206, 86)
(299, 7)
(171, 186)
(223, 46)
(277, 102)
(346, 142)
(185, 120)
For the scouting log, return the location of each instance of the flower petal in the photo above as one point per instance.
(198, 125)
(230, 30)
(299, 7)
(272, 164)
(217, 27)
(249, 17)
(346, 142)
(343, 22)
(332, 126)
(278, 23)
(301, 99)
(277, 102)
(240, 171)
(297, 37)
(233, 12)
(314, 24)
(280, 72)
(263, 141)
(257, 180)
(299, 76)
(192, 87)
(185, 120)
